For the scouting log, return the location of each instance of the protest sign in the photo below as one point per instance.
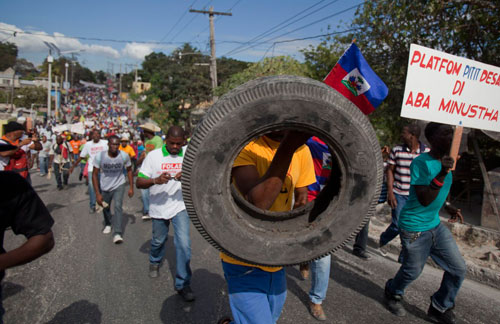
(452, 90)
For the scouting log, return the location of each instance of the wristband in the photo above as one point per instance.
(435, 184)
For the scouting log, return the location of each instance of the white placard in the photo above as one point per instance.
(451, 90)
(78, 128)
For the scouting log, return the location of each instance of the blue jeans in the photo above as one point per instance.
(393, 229)
(44, 165)
(182, 244)
(438, 243)
(92, 191)
(320, 275)
(145, 201)
(255, 296)
(58, 169)
(361, 239)
(117, 195)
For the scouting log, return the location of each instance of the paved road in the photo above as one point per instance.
(88, 279)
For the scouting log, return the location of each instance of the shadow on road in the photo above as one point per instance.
(211, 301)
(350, 279)
(41, 186)
(10, 289)
(54, 206)
(80, 312)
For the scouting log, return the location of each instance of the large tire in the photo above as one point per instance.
(283, 102)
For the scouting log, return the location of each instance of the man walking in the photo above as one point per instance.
(43, 156)
(109, 165)
(152, 142)
(398, 177)
(60, 161)
(423, 235)
(91, 150)
(161, 173)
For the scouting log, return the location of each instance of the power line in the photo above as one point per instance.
(216, 19)
(304, 38)
(177, 22)
(274, 27)
(185, 26)
(299, 28)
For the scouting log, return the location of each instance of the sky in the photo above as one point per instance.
(107, 33)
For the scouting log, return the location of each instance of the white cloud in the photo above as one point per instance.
(138, 51)
(33, 42)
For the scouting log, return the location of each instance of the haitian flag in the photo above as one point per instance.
(355, 80)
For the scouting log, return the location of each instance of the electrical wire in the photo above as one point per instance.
(271, 30)
(299, 28)
(178, 21)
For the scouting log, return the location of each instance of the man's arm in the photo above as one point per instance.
(130, 181)
(33, 248)
(95, 183)
(263, 191)
(427, 194)
(145, 183)
(391, 199)
(300, 197)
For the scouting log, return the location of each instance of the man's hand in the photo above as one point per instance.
(71, 169)
(178, 176)
(163, 178)
(447, 163)
(131, 192)
(25, 141)
(391, 200)
(455, 213)
(98, 198)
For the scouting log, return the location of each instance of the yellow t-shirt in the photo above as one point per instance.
(129, 150)
(260, 153)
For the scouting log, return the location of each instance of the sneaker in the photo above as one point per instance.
(304, 271)
(448, 317)
(117, 238)
(186, 293)
(316, 311)
(153, 270)
(361, 254)
(394, 303)
(42, 174)
(106, 230)
(145, 217)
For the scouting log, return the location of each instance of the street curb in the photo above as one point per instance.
(475, 272)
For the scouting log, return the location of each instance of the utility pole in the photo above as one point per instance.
(120, 93)
(50, 59)
(213, 62)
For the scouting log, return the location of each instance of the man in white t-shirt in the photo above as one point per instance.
(90, 150)
(161, 173)
(110, 165)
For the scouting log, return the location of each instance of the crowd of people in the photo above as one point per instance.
(278, 171)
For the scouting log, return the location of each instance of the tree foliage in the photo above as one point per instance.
(8, 55)
(24, 97)
(279, 65)
(385, 30)
(179, 83)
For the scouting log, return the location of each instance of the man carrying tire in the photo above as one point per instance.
(423, 235)
(270, 173)
(161, 173)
